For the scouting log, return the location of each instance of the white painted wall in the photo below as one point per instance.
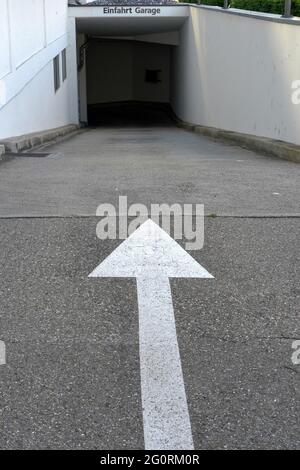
(5, 55)
(56, 19)
(33, 32)
(27, 25)
(72, 67)
(36, 108)
(116, 72)
(235, 73)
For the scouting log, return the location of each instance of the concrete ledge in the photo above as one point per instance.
(29, 141)
(276, 148)
(258, 15)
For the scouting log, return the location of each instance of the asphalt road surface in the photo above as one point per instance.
(72, 373)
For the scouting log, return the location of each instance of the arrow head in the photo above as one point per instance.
(149, 253)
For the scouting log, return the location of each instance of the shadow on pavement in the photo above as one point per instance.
(128, 114)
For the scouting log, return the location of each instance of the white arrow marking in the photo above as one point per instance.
(152, 256)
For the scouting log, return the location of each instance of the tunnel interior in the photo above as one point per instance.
(127, 82)
(125, 70)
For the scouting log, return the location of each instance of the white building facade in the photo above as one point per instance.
(33, 33)
(228, 70)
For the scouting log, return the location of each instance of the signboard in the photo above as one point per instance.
(133, 10)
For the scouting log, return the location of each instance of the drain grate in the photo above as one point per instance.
(27, 155)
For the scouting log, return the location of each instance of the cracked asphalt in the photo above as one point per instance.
(72, 379)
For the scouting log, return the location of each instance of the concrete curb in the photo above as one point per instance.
(30, 141)
(275, 148)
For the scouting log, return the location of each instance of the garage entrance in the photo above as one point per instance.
(125, 63)
(123, 78)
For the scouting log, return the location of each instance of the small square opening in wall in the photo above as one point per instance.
(153, 76)
(64, 64)
(56, 73)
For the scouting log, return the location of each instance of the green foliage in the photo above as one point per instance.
(267, 6)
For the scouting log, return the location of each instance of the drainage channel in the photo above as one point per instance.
(26, 155)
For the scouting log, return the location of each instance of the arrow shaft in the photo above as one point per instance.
(165, 411)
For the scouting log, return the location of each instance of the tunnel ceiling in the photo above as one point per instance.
(128, 26)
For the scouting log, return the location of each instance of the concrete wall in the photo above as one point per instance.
(33, 32)
(151, 56)
(35, 110)
(116, 72)
(109, 72)
(236, 72)
(82, 75)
